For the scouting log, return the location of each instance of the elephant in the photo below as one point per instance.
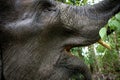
(36, 37)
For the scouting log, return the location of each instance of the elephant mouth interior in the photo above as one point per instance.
(67, 49)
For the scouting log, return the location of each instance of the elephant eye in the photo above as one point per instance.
(49, 9)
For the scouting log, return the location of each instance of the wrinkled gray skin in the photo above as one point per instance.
(35, 33)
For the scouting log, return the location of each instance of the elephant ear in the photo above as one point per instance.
(5, 5)
(10, 6)
(0, 66)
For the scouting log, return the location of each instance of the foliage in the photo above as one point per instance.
(111, 59)
(75, 2)
(103, 32)
(114, 23)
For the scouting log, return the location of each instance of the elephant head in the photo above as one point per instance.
(36, 37)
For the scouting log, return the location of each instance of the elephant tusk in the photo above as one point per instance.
(104, 44)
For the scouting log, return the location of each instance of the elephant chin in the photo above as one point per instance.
(79, 69)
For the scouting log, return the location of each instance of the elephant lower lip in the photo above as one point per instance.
(77, 67)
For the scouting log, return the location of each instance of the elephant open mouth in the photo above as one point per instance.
(81, 74)
(101, 42)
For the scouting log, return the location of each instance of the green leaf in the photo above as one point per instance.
(112, 27)
(116, 23)
(85, 1)
(100, 48)
(117, 16)
(103, 32)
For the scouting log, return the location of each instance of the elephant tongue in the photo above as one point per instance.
(104, 44)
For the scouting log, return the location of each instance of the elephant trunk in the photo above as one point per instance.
(104, 10)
